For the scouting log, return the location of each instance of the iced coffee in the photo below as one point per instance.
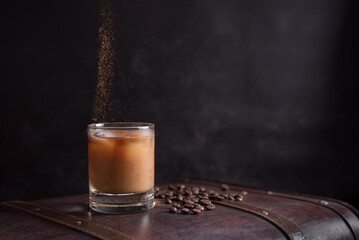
(121, 166)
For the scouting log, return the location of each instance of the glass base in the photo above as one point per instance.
(121, 203)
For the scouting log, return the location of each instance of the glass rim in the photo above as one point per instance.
(121, 126)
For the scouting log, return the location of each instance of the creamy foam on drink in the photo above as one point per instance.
(121, 161)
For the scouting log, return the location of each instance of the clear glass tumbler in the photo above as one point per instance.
(121, 165)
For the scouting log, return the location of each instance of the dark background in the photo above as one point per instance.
(262, 93)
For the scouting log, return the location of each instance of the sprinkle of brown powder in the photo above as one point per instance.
(106, 63)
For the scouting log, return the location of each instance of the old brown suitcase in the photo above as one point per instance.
(261, 215)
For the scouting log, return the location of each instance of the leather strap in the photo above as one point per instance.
(286, 226)
(89, 227)
(290, 229)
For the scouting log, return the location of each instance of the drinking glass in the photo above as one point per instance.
(121, 166)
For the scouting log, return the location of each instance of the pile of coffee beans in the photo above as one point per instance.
(194, 200)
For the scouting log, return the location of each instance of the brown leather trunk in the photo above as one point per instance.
(262, 215)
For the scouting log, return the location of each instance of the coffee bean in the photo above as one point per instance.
(239, 199)
(195, 190)
(156, 189)
(224, 195)
(173, 210)
(189, 205)
(210, 207)
(168, 201)
(171, 187)
(180, 186)
(179, 197)
(231, 198)
(195, 200)
(168, 193)
(202, 189)
(189, 197)
(224, 187)
(205, 194)
(204, 198)
(220, 198)
(205, 202)
(186, 201)
(162, 195)
(188, 192)
(244, 193)
(210, 191)
(185, 210)
(196, 211)
(177, 205)
(156, 195)
(213, 196)
(199, 207)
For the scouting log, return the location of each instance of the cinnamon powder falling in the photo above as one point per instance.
(106, 63)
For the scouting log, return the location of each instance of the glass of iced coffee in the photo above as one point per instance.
(121, 165)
